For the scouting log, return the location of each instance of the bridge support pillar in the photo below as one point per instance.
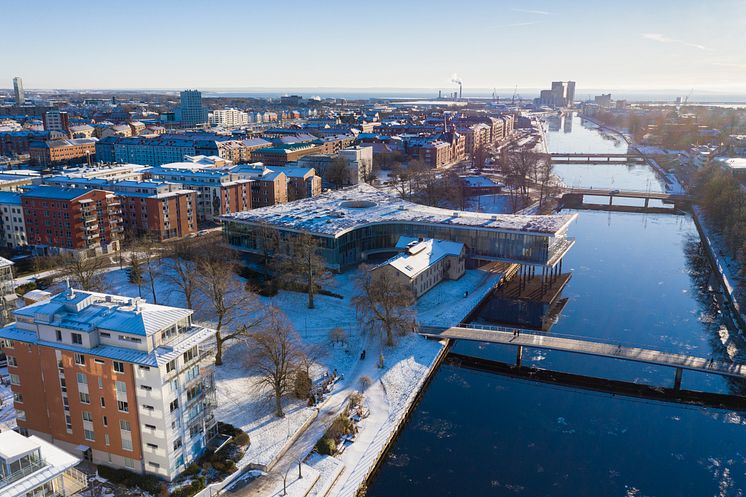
(677, 380)
(647, 201)
(519, 356)
(611, 200)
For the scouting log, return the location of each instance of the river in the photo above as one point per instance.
(637, 279)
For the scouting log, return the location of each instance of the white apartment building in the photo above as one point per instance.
(113, 379)
(228, 118)
(360, 160)
(12, 224)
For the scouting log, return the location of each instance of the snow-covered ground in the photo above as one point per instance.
(243, 403)
(494, 203)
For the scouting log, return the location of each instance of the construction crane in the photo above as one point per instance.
(515, 95)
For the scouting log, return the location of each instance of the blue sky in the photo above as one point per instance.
(628, 44)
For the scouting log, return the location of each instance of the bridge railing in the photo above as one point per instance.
(585, 338)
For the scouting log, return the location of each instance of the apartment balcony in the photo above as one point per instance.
(117, 229)
(31, 466)
(91, 228)
(114, 212)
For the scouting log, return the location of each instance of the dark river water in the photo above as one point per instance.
(637, 279)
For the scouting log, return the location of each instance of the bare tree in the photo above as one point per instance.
(135, 271)
(151, 263)
(85, 273)
(182, 261)
(267, 241)
(228, 301)
(302, 264)
(276, 353)
(338, 172)
(384, 305)
(480, 156)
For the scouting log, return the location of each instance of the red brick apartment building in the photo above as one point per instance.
(72, 220)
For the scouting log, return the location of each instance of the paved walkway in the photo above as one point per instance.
(591, 347)
(328, 411)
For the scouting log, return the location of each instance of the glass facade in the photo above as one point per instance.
(352, 247)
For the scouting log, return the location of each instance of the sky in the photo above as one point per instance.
(228, 44)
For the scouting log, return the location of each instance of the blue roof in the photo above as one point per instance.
(10, 198)
(54, 192)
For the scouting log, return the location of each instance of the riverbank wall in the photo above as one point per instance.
(727, 281)
(396, 422)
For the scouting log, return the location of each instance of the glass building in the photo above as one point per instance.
(354, 223)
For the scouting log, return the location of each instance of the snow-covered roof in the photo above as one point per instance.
(56, 462)
(734, 163)
(338, 212)
(419, 255)
(88, 311)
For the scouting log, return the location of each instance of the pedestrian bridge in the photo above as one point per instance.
(521, 338)
(591, 158)
(642, 194)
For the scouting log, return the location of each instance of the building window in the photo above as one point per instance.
(100, 382)
(80, 359)
(150, 427)
(124, 425)
(106, 439)
(15, 380)
(127, 444)
(123, 406)
(177, 444)
(85, 398)
(77, 338)
(152, 446)
(174, 405)
(106, 421)
(12, 361)
(129, 463)
(103, 402)
(105, 335)
(154, 465)
(58, 335)
(171, 366)
(21, 415)
(121, 387)
(88, 434)
(17, 397)
(87, 416)
(82, 378)
(146, 387)
(118, 367)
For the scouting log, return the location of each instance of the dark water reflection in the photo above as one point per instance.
(637, 279)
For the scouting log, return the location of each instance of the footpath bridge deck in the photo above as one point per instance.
(595, 158)
(610, 192)
(533, 339)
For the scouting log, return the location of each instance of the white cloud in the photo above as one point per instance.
(535, 12)
(661, 38)
(517, 24)
(734, 65)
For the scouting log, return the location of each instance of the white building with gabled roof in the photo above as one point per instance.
(423, 263)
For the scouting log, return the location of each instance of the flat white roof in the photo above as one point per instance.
(337, 212)
(421, 254)
(14, 445)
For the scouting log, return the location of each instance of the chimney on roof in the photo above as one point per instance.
(69, 292)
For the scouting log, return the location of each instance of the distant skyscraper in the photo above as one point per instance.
(18, 89)
(192, 112)
(558, 93)
(570, 95)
